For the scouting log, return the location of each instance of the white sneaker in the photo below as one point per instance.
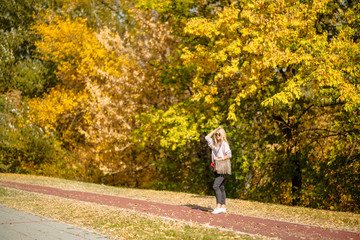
(223, 210)
(217, 210)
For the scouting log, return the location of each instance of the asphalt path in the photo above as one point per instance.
(18, 225)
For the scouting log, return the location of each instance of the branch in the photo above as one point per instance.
(279, 119)
(188, 88)
(352, 150)
(108, 6)
(332, 135)
(307, 109)
(317, 129)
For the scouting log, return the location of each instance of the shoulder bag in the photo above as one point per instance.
(223, 166)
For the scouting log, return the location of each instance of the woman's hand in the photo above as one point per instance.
(212, 133)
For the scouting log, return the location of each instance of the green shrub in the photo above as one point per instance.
(24, 147)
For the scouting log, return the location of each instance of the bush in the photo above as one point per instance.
(24, 147)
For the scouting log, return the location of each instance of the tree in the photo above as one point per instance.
(107, 78)
(273, 53)
(24, 148)
(20, 68)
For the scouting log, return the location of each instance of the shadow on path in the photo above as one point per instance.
(197, 207)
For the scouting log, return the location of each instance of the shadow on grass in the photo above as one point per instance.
(202, 196)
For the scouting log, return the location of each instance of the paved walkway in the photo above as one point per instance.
(244, 224)
(16, 225)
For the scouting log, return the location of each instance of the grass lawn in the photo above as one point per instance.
(126, 224)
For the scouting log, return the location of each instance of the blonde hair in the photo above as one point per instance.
(222, 134)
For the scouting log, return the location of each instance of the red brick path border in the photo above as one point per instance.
(243, 224)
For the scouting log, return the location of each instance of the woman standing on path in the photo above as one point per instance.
(220, 157)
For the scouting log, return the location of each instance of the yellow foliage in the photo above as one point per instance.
(76, 49)
(107, 79)
(57, 106)
(249, 48)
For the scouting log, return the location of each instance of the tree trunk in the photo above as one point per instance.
(296, 179)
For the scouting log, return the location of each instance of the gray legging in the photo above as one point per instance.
(219, 188)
